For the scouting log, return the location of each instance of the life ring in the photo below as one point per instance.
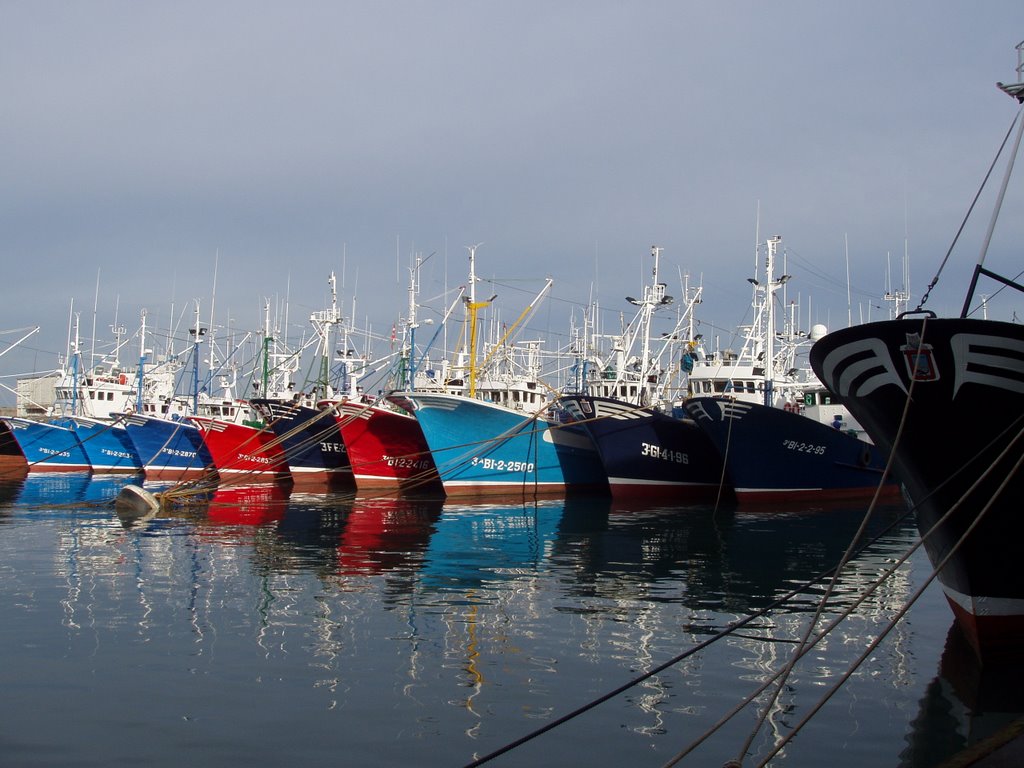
(122, 379)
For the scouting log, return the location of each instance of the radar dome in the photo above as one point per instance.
(817, 331)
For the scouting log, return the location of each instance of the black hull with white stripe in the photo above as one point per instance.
(946, 396)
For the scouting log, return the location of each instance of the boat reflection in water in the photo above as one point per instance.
(472, 624)
(735, 559)
(329, 535)
(481, 545)
(247, 505)
(964, 705)
(69, 488)
(387, 533)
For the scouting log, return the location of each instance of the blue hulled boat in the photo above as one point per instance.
(48, 447)
(491, 430)
(169, 449)
(481, 447)
(107, 445)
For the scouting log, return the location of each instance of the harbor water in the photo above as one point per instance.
(264, 626)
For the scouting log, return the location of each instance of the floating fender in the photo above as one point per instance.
(134, 502)
(865, 456)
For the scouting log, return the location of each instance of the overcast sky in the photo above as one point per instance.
(149, 147)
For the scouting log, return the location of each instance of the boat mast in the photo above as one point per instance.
(323, 321)
(197, 333)
(653, 298)
(142, 364)
(472, 307)
(772, 285)
(1015, 90)
(267, 340)
(409, 361)
(75, 354)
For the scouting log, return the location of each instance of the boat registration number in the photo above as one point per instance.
(657, 452)
(500, 465)
(796, 445)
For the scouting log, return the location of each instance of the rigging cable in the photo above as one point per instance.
(942, 266)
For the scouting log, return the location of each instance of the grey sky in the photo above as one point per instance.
(142, 141)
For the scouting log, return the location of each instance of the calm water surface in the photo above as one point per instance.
(307, 629)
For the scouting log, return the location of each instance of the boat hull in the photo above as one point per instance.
(481, 449)
(771, 454)
(387, 449)
(311, 441)
(12, 460)
(169, 449)
(241, 451)
(48, 447)
(910, 382)
(107, 446)
(647, 454)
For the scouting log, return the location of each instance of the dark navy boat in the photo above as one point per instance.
(629, 404)
(946, 396)
(648, 453)
(899, 377)
(311, 441)
(773, 453)
(779, 435)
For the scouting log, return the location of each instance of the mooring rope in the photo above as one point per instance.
(917, 594)
(721, 634)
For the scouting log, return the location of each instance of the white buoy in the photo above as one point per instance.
(135, 502)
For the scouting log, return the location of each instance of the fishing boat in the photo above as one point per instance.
(946, 397)
(900, 377)
(107, 445)
(310, 440)
(80, 432)
(498, 435)
(385, 444)
(48, 447)
(780, 434)
(241, 445)
(305, 429)
(169, 448)
(629, 403)
(12, 461)
(481, 448)
(232, 433)
(74, 444)
(772, 454)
